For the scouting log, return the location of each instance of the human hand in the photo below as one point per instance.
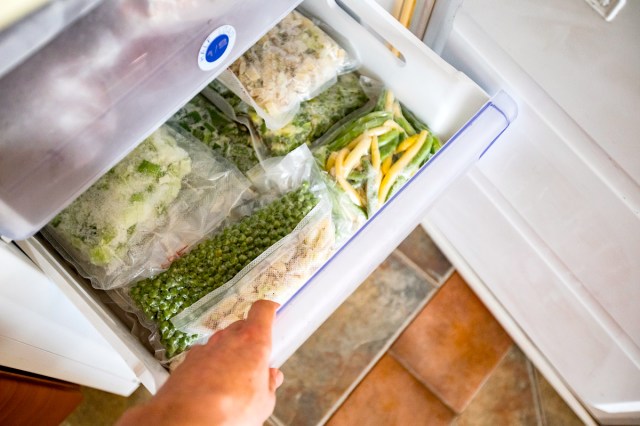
(225, 382)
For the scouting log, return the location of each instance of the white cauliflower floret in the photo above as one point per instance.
(126, 203)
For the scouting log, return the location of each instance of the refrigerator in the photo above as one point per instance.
(534, 197)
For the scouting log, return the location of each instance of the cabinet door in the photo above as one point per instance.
(549, 218)
(29, 400)
(43, 333)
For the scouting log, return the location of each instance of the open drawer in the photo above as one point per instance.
(455, 108)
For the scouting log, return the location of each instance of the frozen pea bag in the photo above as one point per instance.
(289, 191)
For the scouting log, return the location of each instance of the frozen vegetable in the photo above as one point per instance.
(104, 220)
(315, 116)
(208, 124)
(374, 155)
(214, 262)
(292, 63)
(159, 200)
(277, 277)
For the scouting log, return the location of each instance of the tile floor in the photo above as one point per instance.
(412, 346)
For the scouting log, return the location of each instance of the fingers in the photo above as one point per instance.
(261, 316)
(275, 379)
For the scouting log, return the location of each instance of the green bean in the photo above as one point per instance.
(357, 127)
(406, 126)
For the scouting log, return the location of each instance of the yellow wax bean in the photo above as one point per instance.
(356, 154)
(331, 161)
(407, 143)
(397, 167)
(342, 181)
(386, 164)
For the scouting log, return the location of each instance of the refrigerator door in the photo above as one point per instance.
(42, 332)
(547, 224)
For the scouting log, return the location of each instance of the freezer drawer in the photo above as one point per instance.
(451, 103)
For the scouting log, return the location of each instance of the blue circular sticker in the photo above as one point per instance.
(216, 47)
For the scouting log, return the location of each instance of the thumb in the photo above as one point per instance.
(275, 379)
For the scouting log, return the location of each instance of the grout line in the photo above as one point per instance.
(424, 384)
(537, 398)
(491, 373)
(419, 270)
(374, 361)
(447, 276)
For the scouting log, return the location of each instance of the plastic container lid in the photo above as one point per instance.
(78, 106)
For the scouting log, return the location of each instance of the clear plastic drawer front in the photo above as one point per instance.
(79, 105)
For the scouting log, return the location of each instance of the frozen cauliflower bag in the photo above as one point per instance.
(292, 63)
(136, 192)
(161, 198)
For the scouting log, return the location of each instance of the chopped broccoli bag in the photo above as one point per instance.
(209, 125)
(103, 221)
(315, 117)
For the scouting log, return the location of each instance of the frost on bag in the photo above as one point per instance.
(159, 200)
(224, 134)
(293, 62)
(231, 251)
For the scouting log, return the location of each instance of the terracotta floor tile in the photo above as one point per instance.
(323, 370)
(453, 344)
(422, 251)
(507, 398)
(554, 409)
(388, 396)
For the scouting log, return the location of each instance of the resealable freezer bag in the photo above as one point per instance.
(293, 62)
(372, 154)
(314, 117)
(289, 189)
(230, 136)
(277, 275)
(162, 198)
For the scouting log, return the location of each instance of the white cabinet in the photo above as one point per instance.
(42, 331)
(546, 226)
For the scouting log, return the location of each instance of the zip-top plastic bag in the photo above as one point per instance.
(289, 188)
(293, 62)
(160, 199)
(223, 132)
(314, 117)
(371, 155)
(277, 275)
